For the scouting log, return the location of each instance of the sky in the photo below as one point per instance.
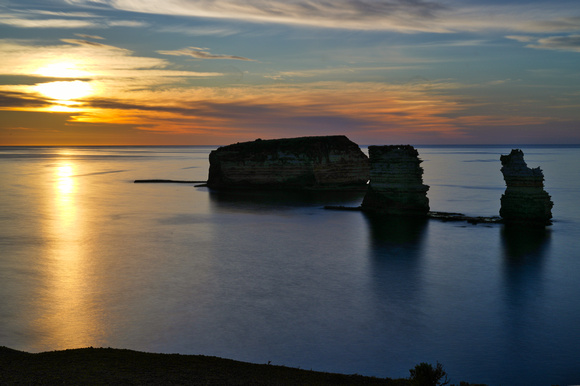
(214, 72)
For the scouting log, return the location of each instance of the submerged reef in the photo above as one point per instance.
(525, 201)
(324, 162)
(396, 182)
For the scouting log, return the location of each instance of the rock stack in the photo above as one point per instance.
(325, 162)
(525, 201)
(396, 182)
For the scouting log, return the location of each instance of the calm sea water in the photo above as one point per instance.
(88, 258)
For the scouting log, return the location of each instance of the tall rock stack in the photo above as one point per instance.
(396, 182)
(525, 201)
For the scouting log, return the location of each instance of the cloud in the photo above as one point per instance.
(302, 109)
(85, 59)
(200, 31)
(403, 15)
(88, 43)
(559, 24)
(94, 37)
(201, 53)
(439, 16)
(108, 70)
(10, 100)
(521, 39)
(33, 18)
(317, 73)
(63, 14)
(421, 111)
(47, 23)
(127, 23)
(560, 43)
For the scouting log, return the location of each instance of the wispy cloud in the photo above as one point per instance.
(114, 67)
(94, 37)
(560, 43)
(11, 100)
(421, 111)
(127, 23)
(201, 53)
(440, 16)
(557, 24)
(88, 43)
(521, 38)
(36, 18)
(402, 110)
(400, 15)
(200, 31)
(336, 71)
(47, 23)
(63, 14)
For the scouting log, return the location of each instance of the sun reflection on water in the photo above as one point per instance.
(65, 183)
(68, 319)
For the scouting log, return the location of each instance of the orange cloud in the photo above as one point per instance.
(98, 85)
(429, 111)
(364, 108)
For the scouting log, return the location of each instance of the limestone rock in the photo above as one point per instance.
(525, 200)
(325, 162)
(396, 182)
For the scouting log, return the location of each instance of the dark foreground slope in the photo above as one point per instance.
(113, 366)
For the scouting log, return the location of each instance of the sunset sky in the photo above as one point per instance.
(213, 72)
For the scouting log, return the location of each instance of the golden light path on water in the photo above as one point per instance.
(68, 319)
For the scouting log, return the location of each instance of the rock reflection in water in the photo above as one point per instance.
(279, 200)
(396, 252)
(525, 286)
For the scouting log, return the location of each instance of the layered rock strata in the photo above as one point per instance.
(396, 182)
(525, 200)
(326, 162)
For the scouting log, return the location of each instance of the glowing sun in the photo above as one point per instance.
(64, 91)
(62, 70)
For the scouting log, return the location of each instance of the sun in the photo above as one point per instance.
(62, 70)
(65, 90)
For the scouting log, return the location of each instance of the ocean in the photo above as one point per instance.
(88, 258)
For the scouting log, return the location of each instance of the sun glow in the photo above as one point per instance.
(62, 109)
(65, 90)
(62, 70)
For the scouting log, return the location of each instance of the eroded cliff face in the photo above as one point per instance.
(326, 162)
(396, 182)
(525, 200)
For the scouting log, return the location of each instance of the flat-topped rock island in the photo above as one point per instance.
(319, 163)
